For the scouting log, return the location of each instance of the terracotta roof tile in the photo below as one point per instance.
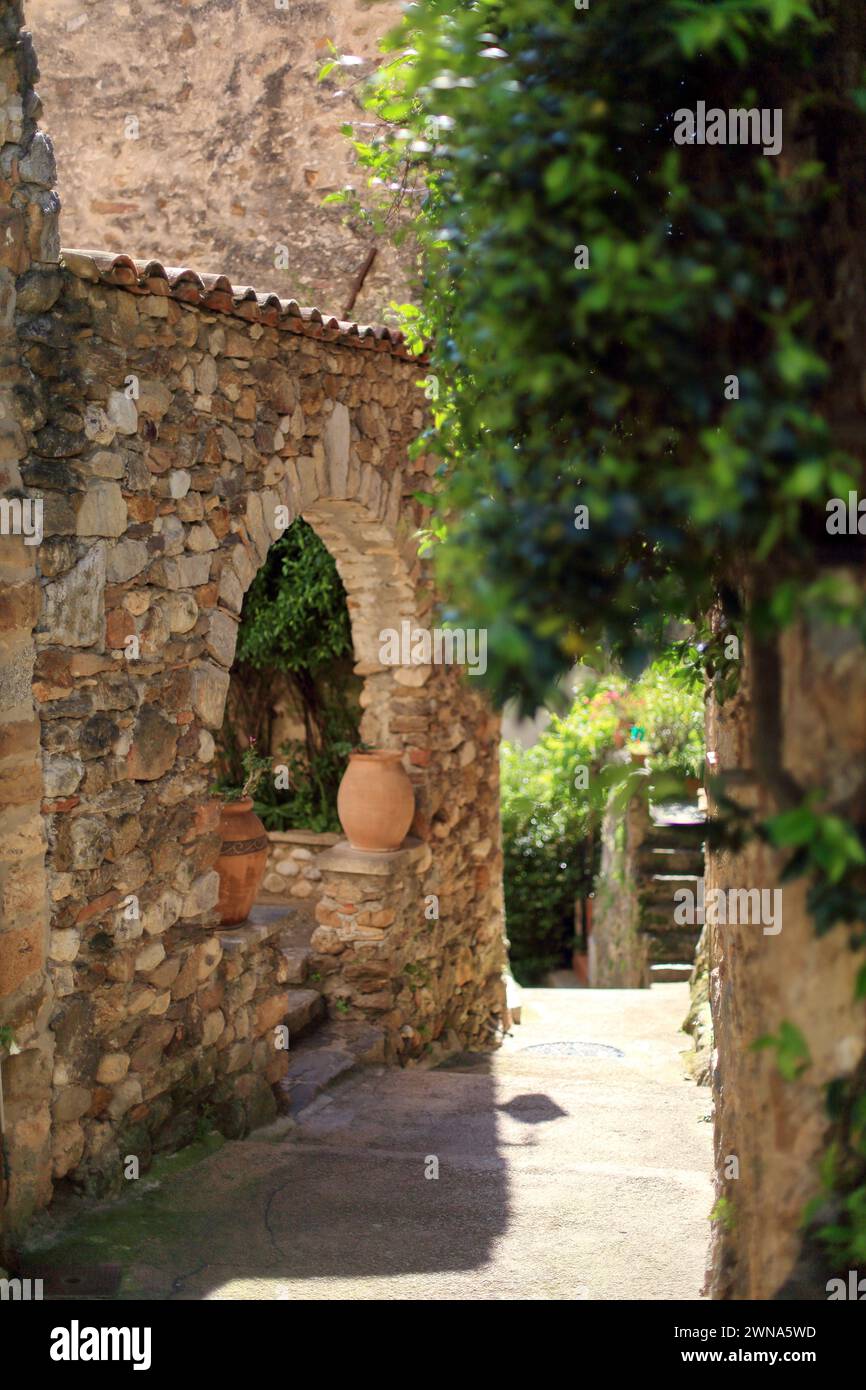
(218, 294)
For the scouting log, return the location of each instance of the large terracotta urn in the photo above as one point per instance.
(242, 860)
(375, 802)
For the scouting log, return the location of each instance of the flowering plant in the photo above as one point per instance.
(255, 766)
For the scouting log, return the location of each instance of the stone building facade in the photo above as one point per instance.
(171, 426)
(225, 96)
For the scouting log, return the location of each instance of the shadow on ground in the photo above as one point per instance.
(527, 1174)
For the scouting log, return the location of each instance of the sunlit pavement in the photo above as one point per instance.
(564, 1174)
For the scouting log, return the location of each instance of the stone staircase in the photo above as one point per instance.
(321, 1050)
(671, 856)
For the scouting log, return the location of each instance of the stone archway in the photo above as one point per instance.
(185, 424)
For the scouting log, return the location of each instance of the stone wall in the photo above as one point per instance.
(234, 144)
(193, 1039)
(29, 285)
(292, 871)
(618, 956)
(777, 1129)
(180, 417)
(648, 853)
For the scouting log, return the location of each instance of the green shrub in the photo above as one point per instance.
(553, 798)
(667, 705)
(310, 802)
(294, 642)
(549, 823)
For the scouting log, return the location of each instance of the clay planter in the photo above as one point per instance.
(375, 802)
(242, 860)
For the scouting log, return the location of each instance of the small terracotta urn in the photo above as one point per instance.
(375, 802)
(242, 860)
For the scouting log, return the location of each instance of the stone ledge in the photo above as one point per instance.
(326, 838)
(342, 859)
(262, 923)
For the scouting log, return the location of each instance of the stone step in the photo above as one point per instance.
(670, 860)
(670, 882)
(688, 835)
(656, 897)
(670, 973)
(294, 924)
(671, 947)
(659, 916)
(297, 960)
(334, 1050)
(305, 1008)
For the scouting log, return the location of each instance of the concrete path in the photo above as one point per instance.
(559, 1177)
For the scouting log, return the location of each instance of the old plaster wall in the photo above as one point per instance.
(202, 127)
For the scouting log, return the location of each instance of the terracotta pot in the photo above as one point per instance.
(242, 860)
(375, 802)
(580, 966)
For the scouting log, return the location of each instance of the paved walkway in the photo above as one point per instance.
(559, 1177)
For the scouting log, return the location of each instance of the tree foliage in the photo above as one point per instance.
(554, 794)
(295, 639)
(527, 129)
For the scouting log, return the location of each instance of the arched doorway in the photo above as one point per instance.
(209, 420)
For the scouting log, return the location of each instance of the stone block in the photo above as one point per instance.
(154, 745)
(21, 955)
(202, 896)
(122, 411)
(210, 686)
(182, 571)
(73, 605)
(222, 637)
(102, 511)
(125, 560)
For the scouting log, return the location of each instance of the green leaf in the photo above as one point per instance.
(794, 827)
(792, 1051)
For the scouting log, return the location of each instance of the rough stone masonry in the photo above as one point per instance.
(163, 420)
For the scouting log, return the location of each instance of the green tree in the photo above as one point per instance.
(526, 130)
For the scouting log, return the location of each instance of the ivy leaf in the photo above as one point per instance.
(792, 828)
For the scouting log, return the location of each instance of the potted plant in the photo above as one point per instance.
(375, 802)
(244, 853)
